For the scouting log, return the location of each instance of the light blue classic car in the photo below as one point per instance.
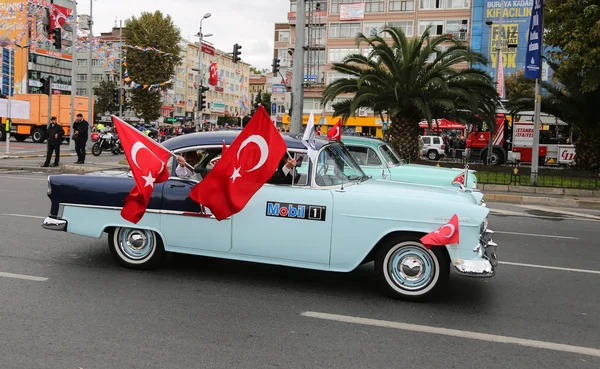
(333, 218)
(379, 160)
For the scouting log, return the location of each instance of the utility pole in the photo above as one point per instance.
(11, 76)
(200, 74)
(73, 75)
(121, 87)
(535, 150)
(498, 61)
(90, 92)
(298, 69)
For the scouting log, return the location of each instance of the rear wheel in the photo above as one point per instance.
(433, 155)
(96, 149)
(136, 248)
(407, 270)
(2, 134)
(38, 135)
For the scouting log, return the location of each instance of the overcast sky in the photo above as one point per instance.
(248, 23)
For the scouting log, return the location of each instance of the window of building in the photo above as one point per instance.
(96, 63)
(458, 29)
(82, 62)
(401, 5)
(283, 36)
(82, 92)
(431, 4)
(312, 104)
(457, 4)
(374, 6)
(329, 106)
(334, 76)
(335, 5)
(337, 55)
(343, 30)
(190, 77)
(293, 7)
(82, 78)
(315, 57)
(373, 29)
(437, 27)
(96, 77)
(406, 26)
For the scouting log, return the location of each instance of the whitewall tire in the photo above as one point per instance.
(136, 248)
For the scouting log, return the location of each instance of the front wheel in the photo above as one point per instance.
(116, 150)
(406, 270)
(136, 248)
(433, 155)
(96, 149)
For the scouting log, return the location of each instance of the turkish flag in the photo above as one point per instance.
(214, 74)
(335, 132)
(460, 179)
(58, 16)
(445, 235)
(248, 163)
(148, 162)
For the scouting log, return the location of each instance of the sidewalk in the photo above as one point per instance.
(32, 162)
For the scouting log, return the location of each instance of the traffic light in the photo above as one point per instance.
(236, 53)
(46, 86)
(202, 98)
(57, 35)
(275, 65)
(116, 97)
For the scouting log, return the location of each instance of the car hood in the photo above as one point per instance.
(434, 175)
(416, 191)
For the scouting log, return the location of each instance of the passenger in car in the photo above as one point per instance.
(188, 158)
(285, 172)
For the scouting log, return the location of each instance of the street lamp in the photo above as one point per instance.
(200, 74)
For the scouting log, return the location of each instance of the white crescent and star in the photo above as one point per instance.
(134, 151)
(452, 229)
(337, 132)
(264, 154)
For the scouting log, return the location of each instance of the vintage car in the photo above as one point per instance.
(333, 218)
(380, 160)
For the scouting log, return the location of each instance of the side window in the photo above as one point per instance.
(360, 154)
(436, 140)
(427, 140)
(302, 164)
(373, 159)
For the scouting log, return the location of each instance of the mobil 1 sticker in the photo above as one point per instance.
(295, 211)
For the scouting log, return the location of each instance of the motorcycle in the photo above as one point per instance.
(106, 141)
(117, 148)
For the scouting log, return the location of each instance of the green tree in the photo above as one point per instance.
(573, 28)
(104, 98)
(412, 80)
(147, 68)
(264, 98)
(519, 86)
(255, 70)
(566, 101)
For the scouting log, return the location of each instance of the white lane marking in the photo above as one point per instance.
(23, 276)
(456, 333)
(551, 267)
(24, 216)
(564, 217)
(560, 211)
(29, 178)
(537, 235)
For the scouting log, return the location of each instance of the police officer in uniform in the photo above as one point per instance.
(80, 135)
(55, 135)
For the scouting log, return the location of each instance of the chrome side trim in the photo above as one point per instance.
(54, 224)
(153, 211)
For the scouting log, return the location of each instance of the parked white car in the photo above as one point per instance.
(433, 147)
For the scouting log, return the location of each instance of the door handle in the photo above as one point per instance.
(176, 185)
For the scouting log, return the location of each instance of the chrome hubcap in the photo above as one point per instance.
(411, 268)
(136, 244)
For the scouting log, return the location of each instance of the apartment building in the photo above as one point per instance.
(331, 27)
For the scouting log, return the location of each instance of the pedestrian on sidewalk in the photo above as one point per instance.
(80, 135)
(55, 135)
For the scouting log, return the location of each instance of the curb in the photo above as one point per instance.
(66, 169)
(31, 156)
(546, 201)
(559, 191)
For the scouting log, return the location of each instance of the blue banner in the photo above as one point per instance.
(533, 57)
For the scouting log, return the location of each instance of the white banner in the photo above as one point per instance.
(354, 11)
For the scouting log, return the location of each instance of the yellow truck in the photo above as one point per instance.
(38, 120)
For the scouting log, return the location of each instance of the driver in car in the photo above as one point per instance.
(285, 172)
(189, 158)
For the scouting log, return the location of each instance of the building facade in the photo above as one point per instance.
(332, 26)
(26, 27)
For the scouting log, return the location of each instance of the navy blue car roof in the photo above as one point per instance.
(217, 138)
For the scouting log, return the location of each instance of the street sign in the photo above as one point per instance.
(273, 108)
(171, 120)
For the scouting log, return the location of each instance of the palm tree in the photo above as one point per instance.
(413, 80)
(581, 110)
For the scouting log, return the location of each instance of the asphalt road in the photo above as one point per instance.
(86, 312)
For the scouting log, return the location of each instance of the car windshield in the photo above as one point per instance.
(335, 166)
(390, 155)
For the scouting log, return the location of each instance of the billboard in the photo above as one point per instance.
(13, 21)
(513, 33)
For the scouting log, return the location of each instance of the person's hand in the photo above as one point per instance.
(180, 160)
(56, 136)
(76, 132)
(290, 163)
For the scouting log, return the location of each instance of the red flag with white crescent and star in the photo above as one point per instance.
(214, 74)
(247, 164)
(58, 16)
(335, 132)
(460, 179)
(446, 235)
(148, 162)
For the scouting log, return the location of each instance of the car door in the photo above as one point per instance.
(291, 223)
(426, 145)
(369, 161)
(186, 225)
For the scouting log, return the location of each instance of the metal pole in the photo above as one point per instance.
(10, 87)
(200, 77)
(50, 92)
(536, 120)
(498, 54)
(90, 92)
(73, 76)
(298, 69)
(121, 92)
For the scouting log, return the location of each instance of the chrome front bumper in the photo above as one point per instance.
(54, 224)
(485, 267)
